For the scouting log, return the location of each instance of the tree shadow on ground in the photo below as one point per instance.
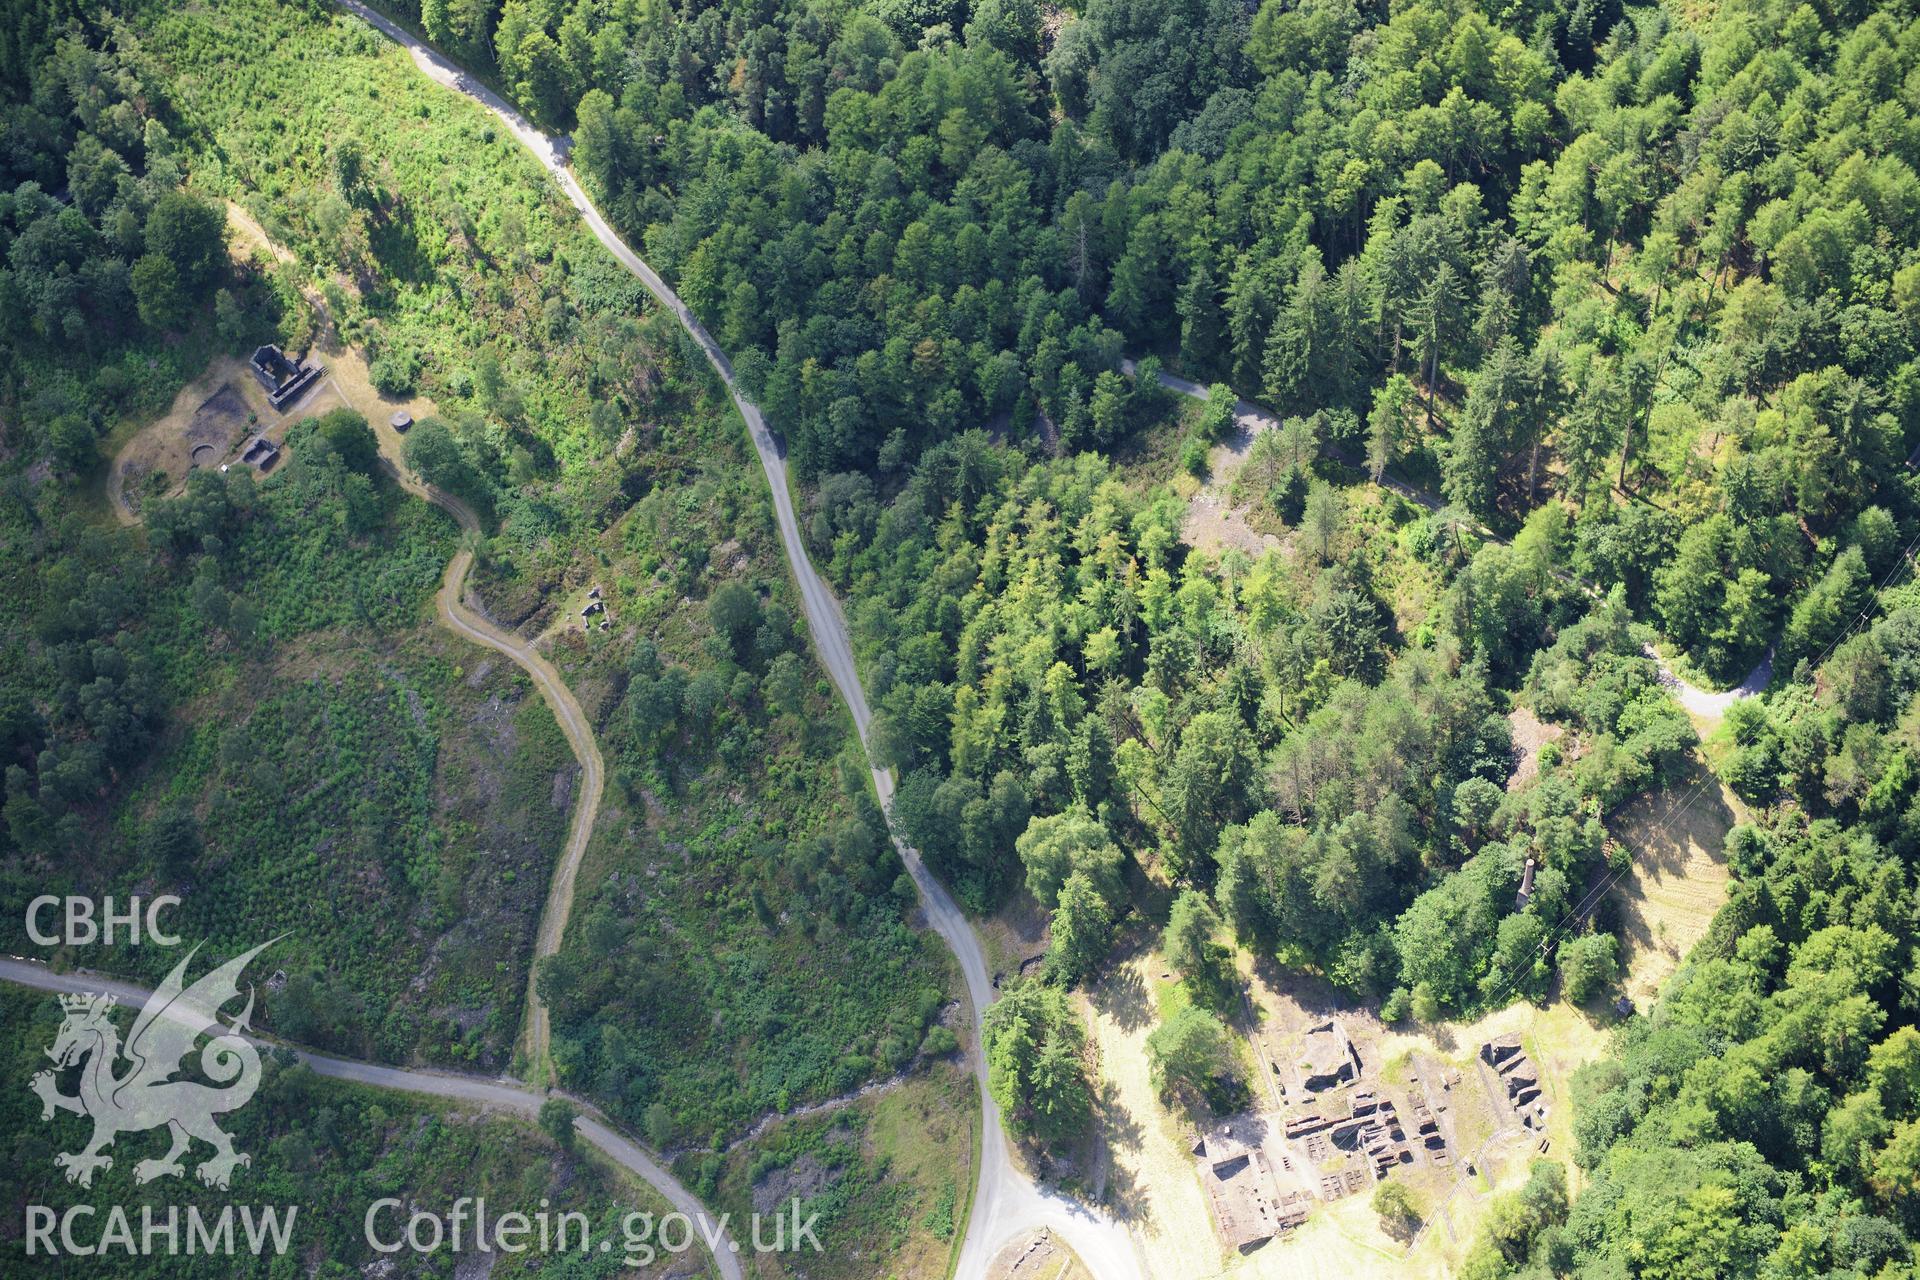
(1124, 998)
(1125, 1195)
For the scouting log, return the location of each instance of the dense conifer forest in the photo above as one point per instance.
(1586, 344)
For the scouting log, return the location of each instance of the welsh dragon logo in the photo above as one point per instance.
(145, 1095)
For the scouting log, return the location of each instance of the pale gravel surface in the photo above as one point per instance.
(1006, 1202)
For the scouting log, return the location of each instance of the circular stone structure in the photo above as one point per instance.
(202, 455)
(401, 420)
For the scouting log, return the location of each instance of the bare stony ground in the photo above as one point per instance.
(1530, 733)
(1037, 1257)
(1670, 896)
(168, 444)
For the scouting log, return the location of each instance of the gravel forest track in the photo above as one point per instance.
(1006, 1202)
(502, 1094)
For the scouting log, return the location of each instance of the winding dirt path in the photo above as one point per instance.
(463, 620)
(536, 1037)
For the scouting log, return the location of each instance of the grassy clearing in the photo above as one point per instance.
(1038, 1257)
(1678, 879)
(1152, 1185)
